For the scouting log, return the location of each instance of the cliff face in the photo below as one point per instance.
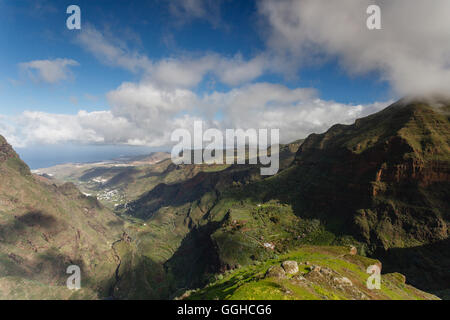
(387, 175)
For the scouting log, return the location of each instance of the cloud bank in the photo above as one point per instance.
(142, 114)
(411, 52)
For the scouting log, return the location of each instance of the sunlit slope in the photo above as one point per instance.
(309, 273)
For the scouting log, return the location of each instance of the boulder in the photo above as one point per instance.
(291, 267)
(276, 272)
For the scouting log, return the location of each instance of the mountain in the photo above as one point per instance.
(47, 225)
(381, 184)
(385, 180)
(387, 176)
(44, 228)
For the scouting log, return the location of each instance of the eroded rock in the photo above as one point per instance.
(344, 281)
(291, 267)
(326, 271)
(276, 272)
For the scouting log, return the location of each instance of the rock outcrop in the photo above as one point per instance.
(276, 272)
(291, 267)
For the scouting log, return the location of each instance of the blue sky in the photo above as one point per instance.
(138, 69)
(36, 30)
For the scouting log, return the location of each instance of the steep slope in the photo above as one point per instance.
(385, 180)
(309, 273)
(44, 229)
(387, 175)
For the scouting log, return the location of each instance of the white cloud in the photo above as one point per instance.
(143, 114)
(186, 10)
(112, 51)
(237, 71)
(185, 71)
(411, 52)
(152, 111)
(50, 71)
(189, 72)
(34, 127)
(296, 112)
(9, 131)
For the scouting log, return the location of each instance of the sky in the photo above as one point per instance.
(138, 70)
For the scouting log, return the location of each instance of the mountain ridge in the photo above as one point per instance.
(379, 184)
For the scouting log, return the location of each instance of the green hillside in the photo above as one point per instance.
(308, 273)
(379, 184)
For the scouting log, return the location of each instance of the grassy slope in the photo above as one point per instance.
(250, 282)
(172, 226)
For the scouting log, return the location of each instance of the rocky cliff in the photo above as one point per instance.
(387, 175)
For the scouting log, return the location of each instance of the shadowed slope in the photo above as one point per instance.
(44, 229)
